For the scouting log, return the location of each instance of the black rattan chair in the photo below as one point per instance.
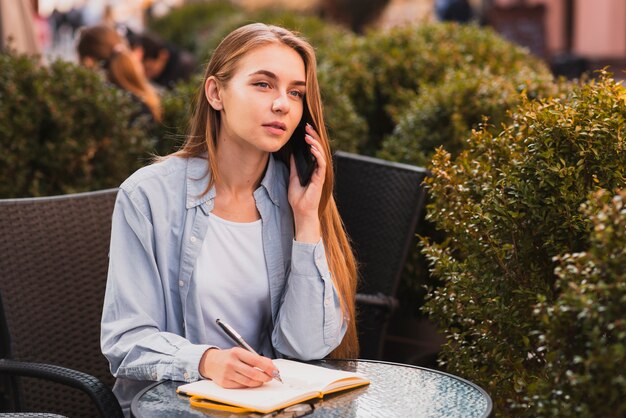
(53, 268)
(380, 203)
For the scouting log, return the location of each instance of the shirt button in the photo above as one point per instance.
(181, 283)
(192, 239)
(327, 302)
(186, 376)
(154, 375)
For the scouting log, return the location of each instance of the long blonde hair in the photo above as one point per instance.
(204, 128)
(104, 45)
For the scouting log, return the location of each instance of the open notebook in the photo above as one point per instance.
(301, 382)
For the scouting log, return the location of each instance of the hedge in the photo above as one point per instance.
(508, 205)
(584, 332)
(444, 114)
(189, 26)
(389, 74)
(64, 130)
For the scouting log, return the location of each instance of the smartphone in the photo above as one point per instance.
(305, 161)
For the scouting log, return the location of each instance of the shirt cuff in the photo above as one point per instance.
(188, 361)
(309, 259)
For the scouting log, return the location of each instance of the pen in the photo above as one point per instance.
(238, 339)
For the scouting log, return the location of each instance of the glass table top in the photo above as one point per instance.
(396, 390)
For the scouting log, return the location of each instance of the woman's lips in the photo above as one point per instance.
(275, 128)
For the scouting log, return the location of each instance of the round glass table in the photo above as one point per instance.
(396, 390)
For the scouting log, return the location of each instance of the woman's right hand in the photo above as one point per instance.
(236, 368)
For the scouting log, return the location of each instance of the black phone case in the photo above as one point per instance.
(305, 161)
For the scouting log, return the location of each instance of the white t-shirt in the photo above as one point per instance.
(233, 283)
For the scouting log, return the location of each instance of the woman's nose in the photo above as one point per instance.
(281, 104)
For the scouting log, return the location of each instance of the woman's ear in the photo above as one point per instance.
(212, 92)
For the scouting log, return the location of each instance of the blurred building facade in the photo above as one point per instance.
(588, 33)
(593, 30)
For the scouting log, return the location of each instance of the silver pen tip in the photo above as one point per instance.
(276, 375)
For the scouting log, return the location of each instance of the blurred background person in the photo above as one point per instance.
(453, 10)
(101, 47)
(164, 63)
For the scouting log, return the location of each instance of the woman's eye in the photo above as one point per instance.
(297, 93)
(262, 84)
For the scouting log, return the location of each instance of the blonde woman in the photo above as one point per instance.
(102, 47)
(224, 229)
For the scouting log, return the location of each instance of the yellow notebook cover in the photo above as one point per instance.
(301, 382)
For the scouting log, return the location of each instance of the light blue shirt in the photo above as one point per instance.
(152, 323)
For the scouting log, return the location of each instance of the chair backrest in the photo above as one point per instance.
(53, 269)
(380, 203)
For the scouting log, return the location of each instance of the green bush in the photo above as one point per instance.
(200, 27)
(63, 130)
(177, 105)
(189, 25)
(584, 332)
(348, 124)
(345, 126)
(384, 72)
(508, 204)
(444, 114)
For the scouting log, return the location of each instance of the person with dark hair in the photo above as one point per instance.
(453, 10)
(164, 64)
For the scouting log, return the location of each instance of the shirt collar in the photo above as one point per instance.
(271, 180)
(198, 180)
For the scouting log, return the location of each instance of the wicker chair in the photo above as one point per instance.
(52, 279)
(380, 203)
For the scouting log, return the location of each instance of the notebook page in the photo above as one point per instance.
(300, 381)
(307, 376)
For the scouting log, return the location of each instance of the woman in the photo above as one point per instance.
(101, 46)
(223, 229)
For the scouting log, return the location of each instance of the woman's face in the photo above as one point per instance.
(262, 104)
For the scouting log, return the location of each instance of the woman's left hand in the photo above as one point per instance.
(305, 200)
